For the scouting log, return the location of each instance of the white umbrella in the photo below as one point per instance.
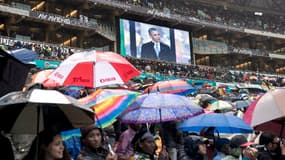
(32, 111)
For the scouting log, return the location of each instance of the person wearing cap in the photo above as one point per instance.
(240, 149)
(273, 149)
(145, 147)
(93, 145)
(194, 148)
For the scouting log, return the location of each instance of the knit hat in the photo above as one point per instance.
(85, 130)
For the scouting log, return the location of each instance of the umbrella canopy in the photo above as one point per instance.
(222, 123)
(42, 77)
(241, 103)
(220, 105)
(101, 95)
(156, 107)
(32, 111)
(108, 104)
(267, 112)
(177, 86)
(13, 73)
(94, 69)
(24, 55)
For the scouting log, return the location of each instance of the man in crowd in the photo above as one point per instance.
(125, 149)
(155, 49)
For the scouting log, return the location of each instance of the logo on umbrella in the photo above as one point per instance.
(58, 75)
(80, 79)
(107, 79)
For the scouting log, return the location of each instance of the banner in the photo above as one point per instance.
(82, 22)
(44, 64)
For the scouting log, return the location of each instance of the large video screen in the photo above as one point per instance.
(148, 41)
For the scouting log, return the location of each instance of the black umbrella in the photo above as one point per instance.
(13, 73)
(32, 111)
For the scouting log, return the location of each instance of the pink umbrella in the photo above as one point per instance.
(94, 69)
(268, 112)
(42, 77)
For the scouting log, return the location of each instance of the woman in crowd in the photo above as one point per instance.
(93, 145)
(145, 147)
(48, 145)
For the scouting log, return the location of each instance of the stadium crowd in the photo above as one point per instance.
(219, 15)
(59, 53)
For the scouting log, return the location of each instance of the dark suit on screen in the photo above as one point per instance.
(165, 53)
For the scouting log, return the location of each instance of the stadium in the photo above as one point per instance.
(236, 45)
(237, 35)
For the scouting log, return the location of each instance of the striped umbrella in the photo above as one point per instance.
(177, 86)
(108, 104)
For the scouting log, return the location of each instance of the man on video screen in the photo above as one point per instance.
(156, 49)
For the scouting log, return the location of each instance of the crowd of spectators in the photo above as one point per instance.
(218, 15)
(45, 50)
(204, 72)
(186, 71)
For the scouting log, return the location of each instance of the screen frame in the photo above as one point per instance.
(158, 23)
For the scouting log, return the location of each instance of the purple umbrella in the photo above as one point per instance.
(156, 107)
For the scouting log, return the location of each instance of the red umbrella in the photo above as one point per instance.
(94, 69)
(267, 113)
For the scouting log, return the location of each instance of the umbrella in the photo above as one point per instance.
(13, 73)
(177, 86)
(220, 105)
(42, 77)
(205, 97)
(24, 55)
(94, 69)
(31, 111)
(241, 103)
(101, 95)
(108, 104)
(222, 123)
(268, 112)
(156, 107)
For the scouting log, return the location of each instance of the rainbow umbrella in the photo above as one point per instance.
(108, 110)
(108, 104)
(101, 95)
(177, 86)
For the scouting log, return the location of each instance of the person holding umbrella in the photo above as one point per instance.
(93, 145)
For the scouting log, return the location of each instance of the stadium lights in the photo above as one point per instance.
(2, 26)
(280, 69)
(258, 13)
(72, 13)
(39, 6)
(67, 42)
(243, 65)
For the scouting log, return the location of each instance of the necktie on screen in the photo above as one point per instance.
(156, 47)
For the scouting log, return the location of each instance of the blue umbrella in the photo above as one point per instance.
(24, 55)
(158, 107)
(222, 123)
(241, 103)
